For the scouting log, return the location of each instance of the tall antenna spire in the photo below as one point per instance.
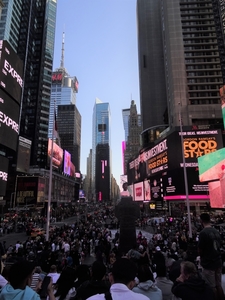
(62, 55)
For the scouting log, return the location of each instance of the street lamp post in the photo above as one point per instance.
(185, 174)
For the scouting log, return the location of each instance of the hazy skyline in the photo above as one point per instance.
(101, 51)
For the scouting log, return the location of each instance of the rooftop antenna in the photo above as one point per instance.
(62, 55)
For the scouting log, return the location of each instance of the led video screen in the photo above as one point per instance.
(3, 174)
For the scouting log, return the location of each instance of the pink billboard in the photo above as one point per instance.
(67, 162)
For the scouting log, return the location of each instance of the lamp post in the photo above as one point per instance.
(185, 174)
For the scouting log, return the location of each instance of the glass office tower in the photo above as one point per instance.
(101, 148)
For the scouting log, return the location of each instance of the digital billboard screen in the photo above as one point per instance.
(167, 153)
(138, 191)
(11, 71)
(3, 174)
(23, 156)
(9, 121)
(27, 190)
(57, 155)
(72, 170)
(67, 162)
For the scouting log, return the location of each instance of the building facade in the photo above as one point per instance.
(101, 145)
(132, 124)
(153, 99)
(69, 129)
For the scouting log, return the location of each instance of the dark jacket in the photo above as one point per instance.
(193, 288)
(92, 287)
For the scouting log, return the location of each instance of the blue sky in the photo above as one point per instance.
(101, 51)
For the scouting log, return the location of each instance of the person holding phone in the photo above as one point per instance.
(20, 278)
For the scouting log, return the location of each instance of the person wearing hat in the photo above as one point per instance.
(122, 279)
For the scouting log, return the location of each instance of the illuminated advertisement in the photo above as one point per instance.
(3, 174)
(72, 170)
(9, 121)
(27, 190)
(57, 77)
(147, 190)
(167, 154)
(76, 84)
(138, 191)
(23, 157)
(57, 155)
(67, 162)
(212, 166)
(123, 179)
(11, 71)
(217, 194)
(222, 99)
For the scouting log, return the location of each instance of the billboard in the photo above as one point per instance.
(222, 100)
(9, 121)
(76, 84)
(57, 77)
(216, 194)
(212, 166)
(167, 153)
(147, 190)
(26, 190)
(57, 156)
(138, 191)
(4, 162)
(23, 156)
(72, 170)
(67, 162)
(11, 71)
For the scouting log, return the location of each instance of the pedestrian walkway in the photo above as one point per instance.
(145, 233)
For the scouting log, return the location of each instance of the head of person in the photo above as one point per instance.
(125, 186)
(112, 258)
(53, 269)
(20, 274)
(205, 218)
(144, 273)
(65, 282)
(123, 271)
(188, 270)
(98, 270)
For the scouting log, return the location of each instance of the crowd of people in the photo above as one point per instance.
(168, 266)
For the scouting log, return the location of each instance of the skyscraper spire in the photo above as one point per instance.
(62, 55)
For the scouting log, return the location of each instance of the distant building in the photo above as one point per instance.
(101, 150)
(69, 129)
(132, 125)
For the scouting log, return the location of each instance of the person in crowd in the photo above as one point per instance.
(53, 274)
(146, 285)
(189, 285)
(96, 285)
(163, 283)
(122, 279)
(36, 278)
(64, 288)
(134, 254)
(20, 278)
(210, 255)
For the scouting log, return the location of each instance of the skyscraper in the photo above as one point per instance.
(101, 150)
(69, 129)
(29, 27)
(35, 47)
(190, 59)
(153, 98)
(133, 128)
(63, 89)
